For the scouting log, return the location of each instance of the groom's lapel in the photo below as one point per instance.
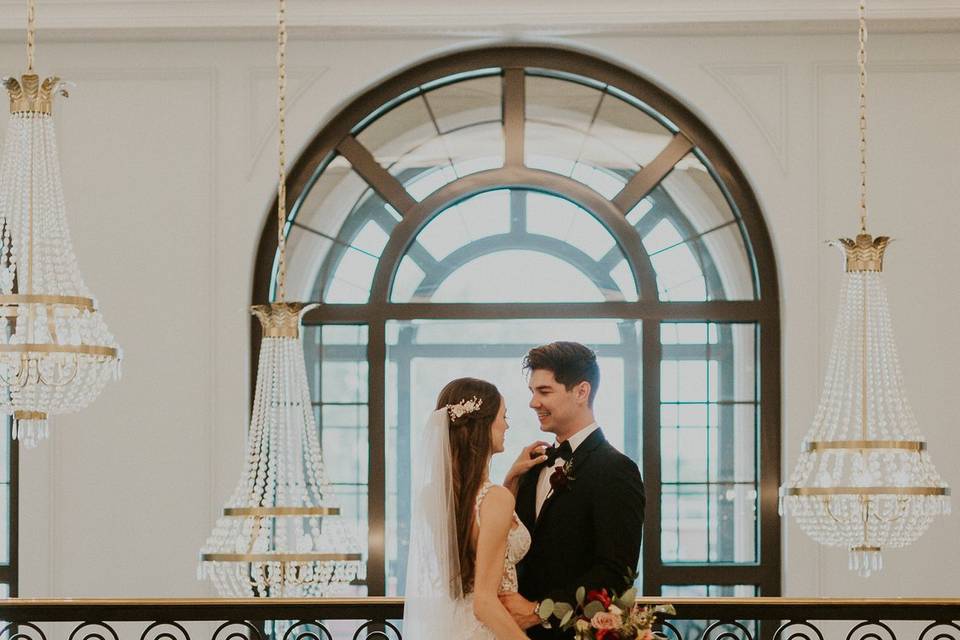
(527, 497)
(586, 447)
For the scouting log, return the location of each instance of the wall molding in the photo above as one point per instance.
(773, 127)
(261, 130)
(209, 75)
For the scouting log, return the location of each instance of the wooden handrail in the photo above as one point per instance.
(196, 609)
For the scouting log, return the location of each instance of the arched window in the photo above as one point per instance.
(484, 202)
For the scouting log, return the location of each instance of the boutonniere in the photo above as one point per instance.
(561, 478)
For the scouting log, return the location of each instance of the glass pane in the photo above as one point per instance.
(407, 282)
(5, 449)
(422, 356)
(685, 523)
(589, 135)
(343, 381)
(353, 261)
(733, 442)
(465, 103)
(481, 216)
(522, 332)
(733, 523)
(708, 432)
(323, 209)
(713, 361)
(4, 524)
(514, 246)
(434, 138)
(622, 126)
(708, 229)
(561, 219)
(335, 356)
(494, 278)
(679, 272)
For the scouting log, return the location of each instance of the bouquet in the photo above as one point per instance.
(599, 615)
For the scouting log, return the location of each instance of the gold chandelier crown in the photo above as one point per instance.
(280, 319)
(29, 95)
(865, 253)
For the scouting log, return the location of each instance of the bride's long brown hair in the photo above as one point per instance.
(471, 445)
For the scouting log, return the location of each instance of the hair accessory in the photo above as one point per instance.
(463, 407)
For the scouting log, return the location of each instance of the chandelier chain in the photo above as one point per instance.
(862, 64)
(31, 32)
(282, 147)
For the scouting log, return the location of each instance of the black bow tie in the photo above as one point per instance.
(564, 451)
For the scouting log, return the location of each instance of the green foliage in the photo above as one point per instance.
(546, 609)
(628, 599)
(592, 609)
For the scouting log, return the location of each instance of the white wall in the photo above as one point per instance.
(168, 155)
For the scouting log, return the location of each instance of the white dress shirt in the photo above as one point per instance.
(543, 482)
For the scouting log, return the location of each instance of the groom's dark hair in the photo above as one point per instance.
(570, 362)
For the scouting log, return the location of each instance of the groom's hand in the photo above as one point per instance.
(522, 610)
(529, 457)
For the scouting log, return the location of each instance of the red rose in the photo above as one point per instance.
(558, 479)
(603, 633)
(599, 596)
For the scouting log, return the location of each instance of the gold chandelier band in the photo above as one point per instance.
(282, 332)
(906, 445)
(81, 349)
(280, 557)
(72, 301)
(281, 511)
(29, 415)
(867, 491)
(864, 547)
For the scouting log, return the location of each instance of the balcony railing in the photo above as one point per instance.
(378, 619)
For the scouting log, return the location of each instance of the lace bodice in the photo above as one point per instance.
(518, 543)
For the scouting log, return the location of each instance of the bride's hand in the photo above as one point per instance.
(530, 456)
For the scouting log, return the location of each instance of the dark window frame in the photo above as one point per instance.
(691, 134)
(9, 573)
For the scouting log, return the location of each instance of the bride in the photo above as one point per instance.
(465, 539)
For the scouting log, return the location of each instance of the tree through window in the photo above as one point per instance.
(487, 201)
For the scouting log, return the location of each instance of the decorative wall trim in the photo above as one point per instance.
(263, 127)
(172, 74)
(773, 126)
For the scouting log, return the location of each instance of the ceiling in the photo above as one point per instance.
(189, 19)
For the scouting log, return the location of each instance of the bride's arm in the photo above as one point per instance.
(496, 518)
(529, 457)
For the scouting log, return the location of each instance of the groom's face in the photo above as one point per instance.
(556, 406)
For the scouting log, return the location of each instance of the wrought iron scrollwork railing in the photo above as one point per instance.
(378, 619)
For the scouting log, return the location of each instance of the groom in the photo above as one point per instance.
(584, 505)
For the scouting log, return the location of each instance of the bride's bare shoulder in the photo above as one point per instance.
(498, 500)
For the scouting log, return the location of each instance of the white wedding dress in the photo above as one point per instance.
(518, 543)
(435, 607)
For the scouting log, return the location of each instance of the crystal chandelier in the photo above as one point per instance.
(864, 480)
(56, 353)
(280, 534)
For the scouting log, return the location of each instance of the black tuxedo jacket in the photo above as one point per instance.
(588, 533)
